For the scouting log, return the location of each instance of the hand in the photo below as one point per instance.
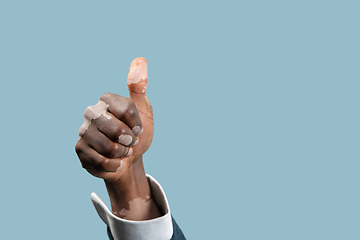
(117, 131)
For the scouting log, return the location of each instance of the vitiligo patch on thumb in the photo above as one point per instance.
(137, 71)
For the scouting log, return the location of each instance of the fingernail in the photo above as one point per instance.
(129, 153)
(141, 131)
(119, 153)
(137, 130)
(136, 142)
(125, 139)
(119, 168)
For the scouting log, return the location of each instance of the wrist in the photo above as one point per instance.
(130, 195)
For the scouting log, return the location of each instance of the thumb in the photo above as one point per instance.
(137, 83)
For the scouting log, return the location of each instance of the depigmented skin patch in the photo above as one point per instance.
(137, 71)
(93, 112)
(125, 139)
(136, 207)
(137, 77)
(137, 130)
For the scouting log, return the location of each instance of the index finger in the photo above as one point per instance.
(125, 110)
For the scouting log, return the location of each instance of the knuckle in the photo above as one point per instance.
(106, 96)
(113, 150)
(130, 112)
(85, 165)
(131, 105)
(100, 162)
(89, 112)
(99, 121)
(128, 103)
(96, 121)
(117, 130)
(83, 156)
(79, 148)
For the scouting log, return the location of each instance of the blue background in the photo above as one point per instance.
(256, 108)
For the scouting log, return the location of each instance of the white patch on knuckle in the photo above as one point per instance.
(93, 112)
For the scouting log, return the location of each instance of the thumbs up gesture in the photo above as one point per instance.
(117, 131)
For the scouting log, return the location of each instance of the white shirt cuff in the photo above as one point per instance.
(159, 228)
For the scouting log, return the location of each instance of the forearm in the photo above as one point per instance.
(130, 196)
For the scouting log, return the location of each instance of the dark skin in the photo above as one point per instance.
(101, 154)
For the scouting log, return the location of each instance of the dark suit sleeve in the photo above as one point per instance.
(177, 233)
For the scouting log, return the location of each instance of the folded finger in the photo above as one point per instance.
(103, 145)
(116, 130)
(125, 110)
(91, 160)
